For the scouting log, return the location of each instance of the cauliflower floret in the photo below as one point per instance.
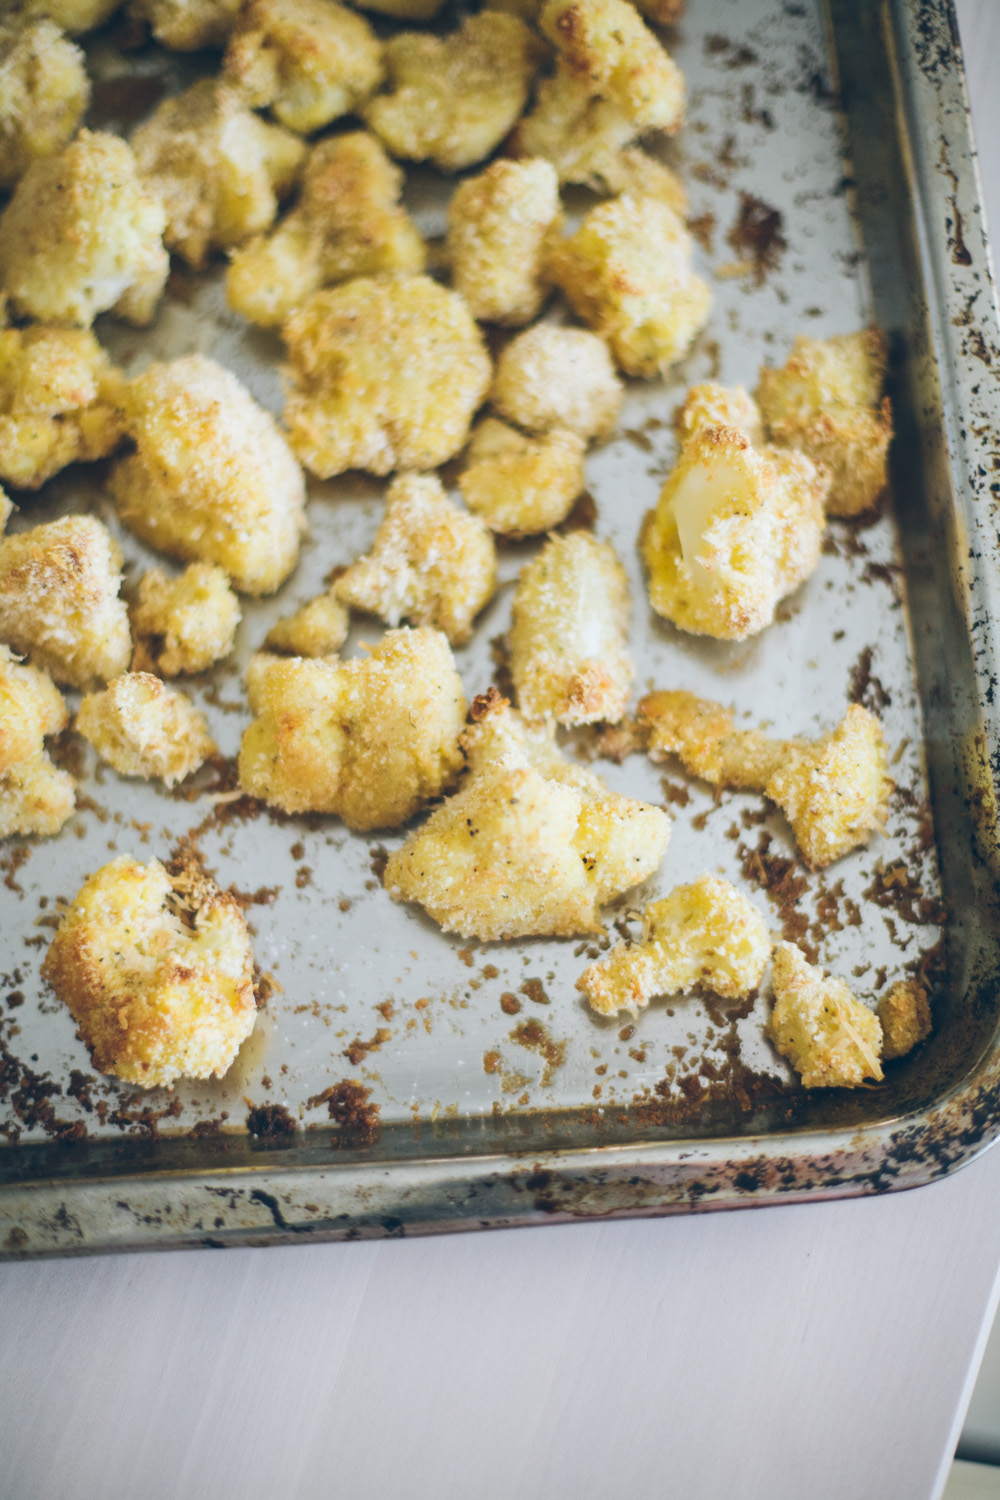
(348, 222)
(905, 1017)
(143, 728)
(309, 60)
(551, 377)
(607, 46)
(386, 375)
(72, 16)
(430, 563)
(568, 634)
(182, 625)
(58, 403)
(501, 226)
(188, 25)
(735, 530)
(59, 600)
(83, 234)
(452, 99)
(521, 485)
(827, 401)
(218, 168)
(319, 628)
(31, 707)
(715, 405)
(44, 92)
(369, 739)
(828, 1036)
(213, 479)
(530, 845)
(35, 797)
(705, 934)
(157, 972)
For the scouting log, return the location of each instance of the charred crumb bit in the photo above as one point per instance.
(865, 688)
(466, 955)
(785, 884)
(303, 877)
(699, 820)
(535, 991)
(675, 793)
(208, 1127)
(264, 986)
(753, 114)
(757, 235)
(14, 999)
(11, 863)
(616, 742)
(344, 904)
(702, 229)
(80, 1085)
(348, 1105)
(386, 1010)
(881, 975)
(637, 1053)
(491, 1062)
(490, 971)
(264, 895)
(626, 1034)
(601, 1069)
(533, 1036)
(898, 889)
(509, 1003)
(881, 572)
(379, 858)
(484, 703)
(358, 1050)
(638, 438)
(270, 1122)
(297, 851)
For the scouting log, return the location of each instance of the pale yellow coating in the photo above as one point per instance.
(35, 797)
(58, 403)
(385, 375)
(188, 25)
(183, 624)
(827, 402)
(829, 1037)
(904, 1014)
(319, 628)
(607, 46)
(501, 226)
(213, 479)
(82, 235)
(44, 92)
(31, 707)
(521, 485)
(157, 972)
(143, 728)
(73, 16)
(430, 563)
(452, 99)
(705, 935)
(219, 169)
(714, 405)
(551, 377)
(347, 222)
(59, 601)
(370, 739)
(569, 633)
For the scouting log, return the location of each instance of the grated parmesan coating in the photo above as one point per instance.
(713, 405)
(72, 16)
(143, 728)
(44, 93)
(182, 625)
(569, 632)
(552, 377)
(829, 1037)
(370, 739)
(58, 403)
(157, 971)
(187, 25)
(31, 707)
(904, 1014)
(347, 222)
(606, 45)
(213, 478)
(59, 601)
(521, 485)
(319, 628)
(706, 935)
(501, 226)
(385, 375)
(430, 563)
(82, 235)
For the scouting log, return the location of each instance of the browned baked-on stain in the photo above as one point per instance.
(757, 235)
(785, 883)
(378, 858)
(209, 1127)
(702, 229)
(898, 889)
(533, 1036)
(270, 1122)
(752, 113)
(675, 793)
(865, 688)
(348, 1105)
(357, 1051)
(11, 862)
(509, 1003)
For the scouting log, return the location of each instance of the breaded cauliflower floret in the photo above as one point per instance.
(706, 934)
(530, 844)
(829, 1037)
(319, 628)
(568, 634)
(143, 728)
(715, 405)
(827, 401)
(187, 25)
(218, 168)
(35, 797)
(606, 45)
(44, 92)
(905, 1017)
(157, 972)
(213, 479)
(385, 375)
(31, 707)
(182, 625)
(347, 222)
(451, 100)
(59, 600)
(73, 16)
(58, 403)
(370, 739)
(521, 485)
(310, 61)
(551, 377)
(501, 226)
(735, 530)
(83, 234)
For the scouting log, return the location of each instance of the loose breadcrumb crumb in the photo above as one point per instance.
(143, 728)
(182, 625)
(905, 1016)
(521, 485)
(59, 398)
(501, 226)
(319, 628)
(44, 93)
(31, 707)
(188, 25)
(73, 16)
(829, 1037)
(552, 377)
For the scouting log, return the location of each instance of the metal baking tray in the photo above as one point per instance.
(500, 1099)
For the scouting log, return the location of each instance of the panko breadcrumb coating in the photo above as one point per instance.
(219, 169)
(430, 563)
(58, 403)
(705, 935)
(347, 222)
(35, 797)
(385, 375)
(713, 405)
(73, 16)
(552, 377)
(905, 1017)
(452, 99)
(187, 25)
(59, 601)
(521, 485)
(213, 479)
(157, 972)
(44, 93)
(319, 628)
(606, 45)
(31, 707)
(569, 631)
(829, 1037)
(82, 234)
(501, 226)
(182, 625)
(310, 61)
(143, 728)
(827, 401)
(530, 845)
(370, 739)
(735, 530)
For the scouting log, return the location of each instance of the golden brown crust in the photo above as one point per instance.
(829, 1037)
(521, 485)
(59, 398)
(43, 97)
(143, 728)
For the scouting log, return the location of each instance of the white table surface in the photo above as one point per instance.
(826, 1350)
